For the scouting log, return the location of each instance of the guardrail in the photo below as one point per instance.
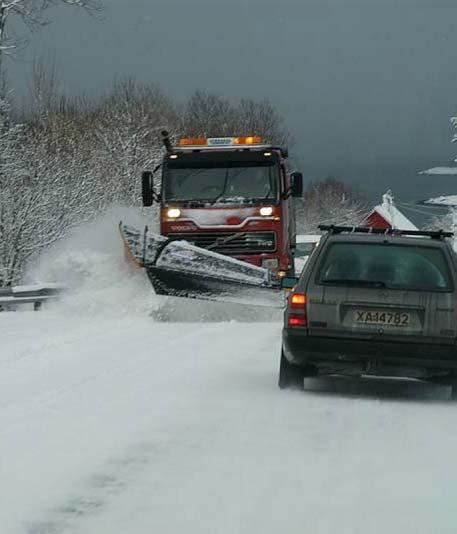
(11, 297)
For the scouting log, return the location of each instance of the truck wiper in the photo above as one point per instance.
(224, 187)
(354, 282)
(188, 203)
(213, 201)
(233, 200)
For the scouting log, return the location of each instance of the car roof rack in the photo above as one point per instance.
(334, 229)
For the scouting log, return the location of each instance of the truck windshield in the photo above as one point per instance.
(403, 267)
(234, 184)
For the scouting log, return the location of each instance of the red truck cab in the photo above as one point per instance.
(232, 196)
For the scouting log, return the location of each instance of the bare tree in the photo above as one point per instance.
(263, 119)
(209, 115)
(32, 13)
(44, 87)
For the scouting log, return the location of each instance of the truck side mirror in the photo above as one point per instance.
(297, 184)
(147, 189)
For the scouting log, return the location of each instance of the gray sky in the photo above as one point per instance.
(366, 86)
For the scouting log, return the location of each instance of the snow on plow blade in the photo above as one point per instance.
(179, 269)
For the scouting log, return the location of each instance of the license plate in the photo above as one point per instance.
(385, 318)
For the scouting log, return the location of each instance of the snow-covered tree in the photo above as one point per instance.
(445, 221)
(329, 201)
(45, 191)
(127, 126)
(10, 169)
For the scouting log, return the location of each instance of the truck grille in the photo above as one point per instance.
(231, 243)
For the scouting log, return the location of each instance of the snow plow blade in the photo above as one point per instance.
(179, 269)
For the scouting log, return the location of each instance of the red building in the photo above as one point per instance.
(387, 215)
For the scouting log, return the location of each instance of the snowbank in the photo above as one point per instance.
(440, 170)
(448, 200)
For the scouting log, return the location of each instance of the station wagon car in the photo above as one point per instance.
(373, 302)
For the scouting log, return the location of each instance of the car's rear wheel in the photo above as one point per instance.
(291, 376)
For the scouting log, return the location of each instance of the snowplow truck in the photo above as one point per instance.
(229, 195)
(227, 224)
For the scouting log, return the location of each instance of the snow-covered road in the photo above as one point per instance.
(121, 424)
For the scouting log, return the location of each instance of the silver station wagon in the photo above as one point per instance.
(373, 302)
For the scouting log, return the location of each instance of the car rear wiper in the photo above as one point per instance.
(354, 282)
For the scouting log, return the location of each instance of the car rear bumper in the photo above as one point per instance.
(410, 358)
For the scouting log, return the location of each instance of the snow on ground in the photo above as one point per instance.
(440, 170)
(122, 424)
(448, 200)
(111, 422)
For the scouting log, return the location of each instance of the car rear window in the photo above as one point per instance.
(392, 266)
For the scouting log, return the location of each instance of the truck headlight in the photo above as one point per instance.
(266, 211)
(271, 263)
(173, 213)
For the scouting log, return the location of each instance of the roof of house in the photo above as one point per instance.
(392, 215)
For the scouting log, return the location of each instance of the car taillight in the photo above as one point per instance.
(297, 310)
(297, 320)
(297, 300)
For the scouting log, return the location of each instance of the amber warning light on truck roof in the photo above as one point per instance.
(221, 141)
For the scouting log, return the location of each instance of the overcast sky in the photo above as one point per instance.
(366, 86)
